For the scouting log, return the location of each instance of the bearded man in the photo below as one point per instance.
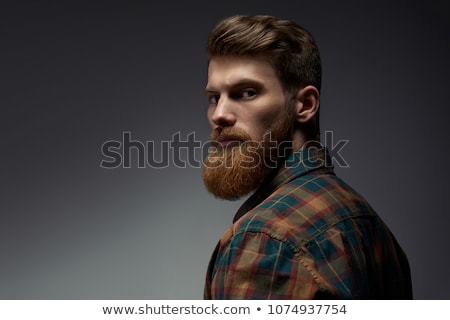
(303, 233)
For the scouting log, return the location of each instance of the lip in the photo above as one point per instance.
(228, 141)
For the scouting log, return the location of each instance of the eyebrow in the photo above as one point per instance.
(240, 83)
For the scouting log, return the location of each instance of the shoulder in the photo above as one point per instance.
(305, 208)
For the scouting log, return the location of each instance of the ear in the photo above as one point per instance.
(308, 100)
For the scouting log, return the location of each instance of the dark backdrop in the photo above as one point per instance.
(75, 75)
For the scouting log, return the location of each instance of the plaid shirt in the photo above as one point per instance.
(307, 235)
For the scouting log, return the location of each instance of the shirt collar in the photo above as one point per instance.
(295, 165)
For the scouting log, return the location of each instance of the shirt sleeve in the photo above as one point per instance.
(253, 265)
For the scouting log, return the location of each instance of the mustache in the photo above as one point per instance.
(232, 133)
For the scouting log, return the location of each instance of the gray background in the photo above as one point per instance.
(74, 75)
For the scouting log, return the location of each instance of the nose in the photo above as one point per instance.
(222, 114)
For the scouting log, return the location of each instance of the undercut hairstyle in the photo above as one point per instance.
(288, 47)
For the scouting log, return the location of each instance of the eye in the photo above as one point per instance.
(213, 99)
(248, 94)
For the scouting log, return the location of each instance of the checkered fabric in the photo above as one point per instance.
(306, 234)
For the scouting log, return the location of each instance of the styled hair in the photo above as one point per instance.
(288, 47)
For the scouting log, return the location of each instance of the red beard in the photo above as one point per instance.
(233, 171)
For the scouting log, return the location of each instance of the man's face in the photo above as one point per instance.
(244, 93)
(249, 117)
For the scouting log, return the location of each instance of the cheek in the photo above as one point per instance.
(271, 116)
(259, 123)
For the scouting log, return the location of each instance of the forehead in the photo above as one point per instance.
(230, 70)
